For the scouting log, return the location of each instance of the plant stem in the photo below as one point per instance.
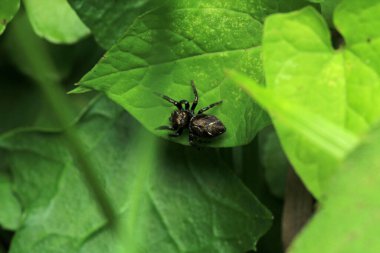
(40, 67)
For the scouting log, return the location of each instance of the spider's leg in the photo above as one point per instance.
(209, 107)
(195, 102)
(176, 134)
(166, 128)
(186, 103)
(170, 100)
(193, 140)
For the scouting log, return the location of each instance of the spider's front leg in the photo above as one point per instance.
(209, 107)
(176, 134)
(170, 100)
(171, 128)
(166, 128)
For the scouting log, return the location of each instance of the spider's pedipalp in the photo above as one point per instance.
(170, 100)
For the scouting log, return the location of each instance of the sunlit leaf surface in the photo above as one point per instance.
(341, 85)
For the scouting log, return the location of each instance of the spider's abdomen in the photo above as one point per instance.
(180, 119)
(206, 126)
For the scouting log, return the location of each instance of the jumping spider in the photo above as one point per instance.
(200, 125)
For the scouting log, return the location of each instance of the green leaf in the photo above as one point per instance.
(8, 8)
(358, 22)
(341, 86)
(349, 216)
(118, 16)
(10, 211)
(55, 21)
(193, 41)
(177, 199)
(331, 139)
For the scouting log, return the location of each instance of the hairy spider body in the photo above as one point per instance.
(206, 126)
(200, 125)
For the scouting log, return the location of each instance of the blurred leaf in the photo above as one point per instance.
(10, 211)
(328, 8)
(334, 141)
(292, 5)
(166, 48)
(67, 62)
(19, 32)
(274, 161)
(341, 86)
(191, 200)
(22, 103)
(349, 218)
(8, 8)
(55, 21)
(358, 21)
(19, 100)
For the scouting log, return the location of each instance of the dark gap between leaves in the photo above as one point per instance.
(5, 239)
(337, 39)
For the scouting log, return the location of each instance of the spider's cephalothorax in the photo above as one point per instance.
(200, 125)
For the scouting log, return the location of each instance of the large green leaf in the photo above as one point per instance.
(348, 221)
(109, 21)
(55, 20)
(341, 86)
(183, 200)
(8, 8)
(192, 40)
(118, 16)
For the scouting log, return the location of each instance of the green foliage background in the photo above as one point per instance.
(84, 171)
